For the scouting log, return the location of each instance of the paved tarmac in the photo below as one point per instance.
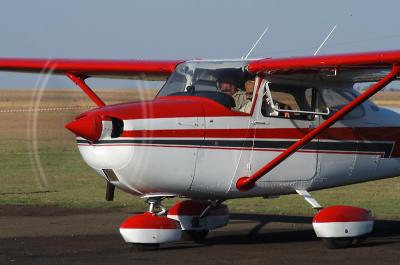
(65, 236)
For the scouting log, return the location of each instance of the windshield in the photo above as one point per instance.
(195, 76)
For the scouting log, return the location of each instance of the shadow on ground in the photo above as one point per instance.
(260, 234)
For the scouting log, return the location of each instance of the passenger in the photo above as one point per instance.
(286, 107)
(228, 87)
(249, 87)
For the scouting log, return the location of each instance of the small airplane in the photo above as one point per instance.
(230, 129)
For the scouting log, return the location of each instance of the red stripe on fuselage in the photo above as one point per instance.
(244, 149)
(361, 133)
(387, 134)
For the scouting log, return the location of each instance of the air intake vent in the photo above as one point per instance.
(110, 175)
(117, 127)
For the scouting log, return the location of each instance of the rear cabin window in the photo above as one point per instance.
(337, 99)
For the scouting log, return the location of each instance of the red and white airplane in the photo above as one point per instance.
(303, 128)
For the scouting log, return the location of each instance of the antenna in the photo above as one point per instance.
(255, 44)
(327, 37)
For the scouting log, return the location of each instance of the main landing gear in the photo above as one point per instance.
(340, 226)
(189, 219)
(337, 226)
(198, 218)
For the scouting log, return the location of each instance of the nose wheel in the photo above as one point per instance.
(144, 247)
(149, 230)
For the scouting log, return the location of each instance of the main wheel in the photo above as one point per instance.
(358, 240)
(145, 247)
(340, 242)
(194, 235)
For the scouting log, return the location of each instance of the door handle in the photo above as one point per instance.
(188, 124)
(260, 122)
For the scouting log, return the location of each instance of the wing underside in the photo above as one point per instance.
(79, 70)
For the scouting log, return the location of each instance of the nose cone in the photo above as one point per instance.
(89, 127)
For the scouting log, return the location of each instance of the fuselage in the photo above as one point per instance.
(193, 146)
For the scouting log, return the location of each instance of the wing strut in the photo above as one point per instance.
(80, 81)
(248, 182)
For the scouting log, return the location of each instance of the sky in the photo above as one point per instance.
(186, 29)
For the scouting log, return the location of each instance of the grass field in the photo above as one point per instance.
(42, 166)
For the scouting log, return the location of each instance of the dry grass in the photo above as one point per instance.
(13, 99)
(388, 98)
(43, 167)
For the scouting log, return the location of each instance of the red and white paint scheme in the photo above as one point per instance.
(148, 228)
(300, 119)
(343, 221)
(189, 214)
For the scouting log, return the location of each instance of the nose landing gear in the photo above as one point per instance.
(148, 230)
(191, 218)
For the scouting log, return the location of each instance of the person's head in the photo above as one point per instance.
(249, 87)
(228, 87)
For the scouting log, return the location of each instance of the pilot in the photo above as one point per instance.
(228, 87)
(249, 87)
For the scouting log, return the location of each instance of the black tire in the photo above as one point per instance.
(358, 240)
(145, 247)
(194, 235)
(339, 242)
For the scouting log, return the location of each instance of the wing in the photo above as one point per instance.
(129, 69)
(79, 70)
(357, 67)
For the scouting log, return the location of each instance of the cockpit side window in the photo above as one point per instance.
(290, 98)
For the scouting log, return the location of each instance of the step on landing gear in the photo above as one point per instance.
(340, 226)
(148, 230)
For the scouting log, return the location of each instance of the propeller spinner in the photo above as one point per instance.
(89, 127)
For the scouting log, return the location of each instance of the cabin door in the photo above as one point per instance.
(284, 115)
